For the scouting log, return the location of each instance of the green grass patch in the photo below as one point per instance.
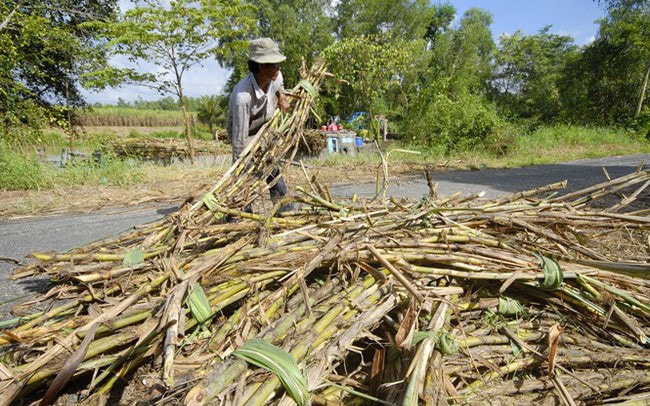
(514, 147)
(564, 143)
(109, 170)
(157, 134)
(19, 171)
(197, 134)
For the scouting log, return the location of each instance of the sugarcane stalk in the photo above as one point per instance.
(396, 273)
(420, 363)
(99, 257)
(322, 330)
(516, 365)
(600, 186)
(635, 303)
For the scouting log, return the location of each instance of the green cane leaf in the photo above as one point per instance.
(509, 306)
(309, 88)
(199, 304)
(133, 257)
(265, 355)
(553, 275)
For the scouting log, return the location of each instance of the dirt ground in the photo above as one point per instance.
(172, 184)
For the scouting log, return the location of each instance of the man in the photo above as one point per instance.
(253, 101)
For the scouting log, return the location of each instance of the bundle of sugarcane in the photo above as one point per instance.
(313, 143)
(446, 297)
(451, 299)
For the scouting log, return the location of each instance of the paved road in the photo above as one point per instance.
(62, 232)
(497, 182)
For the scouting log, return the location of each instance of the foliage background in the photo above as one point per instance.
(442, 80)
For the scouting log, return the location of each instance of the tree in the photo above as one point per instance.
(450, 111)
(301, 28)
(174, 37)
(461, 58)
(527, 70)
(211, 111)
(607, 82)
(441, 18)
(638, 5)
(368, 69)
(399, 20)
(44, 49)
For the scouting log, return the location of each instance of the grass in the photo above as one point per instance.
(18, 171)
(23, 171)
(564, 143)
(552, 144)
(197, 133)
(108, 170)
(124, 116)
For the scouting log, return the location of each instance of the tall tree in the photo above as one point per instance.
(44, 48)
(638, 5)
(450, 111)
(461, 56)
(441, 17)
(527, 70)
(174, 37)
(302, 29)
(398, 19)
(607, 82)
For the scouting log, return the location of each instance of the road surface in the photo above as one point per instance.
(58, 233)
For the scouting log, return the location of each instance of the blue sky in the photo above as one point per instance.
(567, 17)
(576, 18)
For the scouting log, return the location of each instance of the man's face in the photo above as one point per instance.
(270, 70)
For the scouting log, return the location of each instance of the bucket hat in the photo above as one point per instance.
(265, 50)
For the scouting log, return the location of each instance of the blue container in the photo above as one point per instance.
(359, 142)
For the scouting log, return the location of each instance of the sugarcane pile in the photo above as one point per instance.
(531, 298)
(161, 149)
(313, 143)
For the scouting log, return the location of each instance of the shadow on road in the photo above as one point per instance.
(167, 210)
(519, 179)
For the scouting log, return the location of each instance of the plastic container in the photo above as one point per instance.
(358, 141)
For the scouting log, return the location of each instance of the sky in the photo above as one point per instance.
(576, 18)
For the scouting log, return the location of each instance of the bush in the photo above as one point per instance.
(455, 126)
(18, 172)
(21, 122)
(641, 124)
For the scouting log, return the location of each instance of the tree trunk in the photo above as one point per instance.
(644, 86)
(6, 20)
(186, 119)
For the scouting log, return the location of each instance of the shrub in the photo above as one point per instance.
(641, 124)
(454, 125)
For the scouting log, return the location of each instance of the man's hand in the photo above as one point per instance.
(283, 102)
